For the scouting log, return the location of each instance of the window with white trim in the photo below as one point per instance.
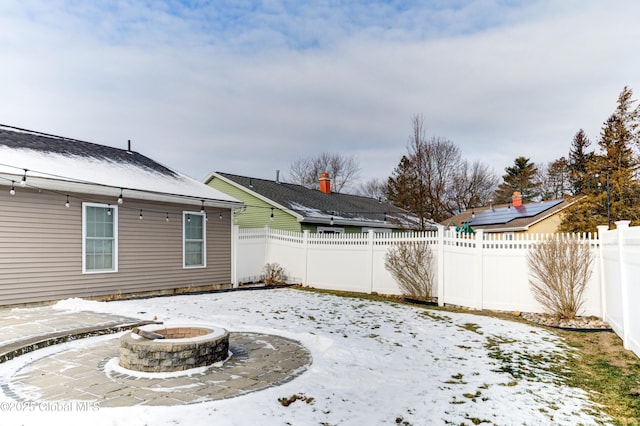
(194, 240)
(99, 238)
(330, 230)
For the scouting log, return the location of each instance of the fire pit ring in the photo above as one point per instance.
(167, 348)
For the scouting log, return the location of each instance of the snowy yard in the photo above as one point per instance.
(373, 363)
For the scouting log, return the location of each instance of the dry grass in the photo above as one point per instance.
(602, 367)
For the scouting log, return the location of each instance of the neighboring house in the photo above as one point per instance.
(79, 219)
(513, 218)
(292, 207)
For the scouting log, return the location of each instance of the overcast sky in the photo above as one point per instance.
(247, 87)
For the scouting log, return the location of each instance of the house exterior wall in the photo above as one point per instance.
(257, 213)
(41, 249)
(548, 225)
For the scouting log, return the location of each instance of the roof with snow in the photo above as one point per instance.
(65, 164)
(310, 205)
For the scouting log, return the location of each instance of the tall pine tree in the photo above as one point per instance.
(579, 160)
(520, 177)
(611, 188)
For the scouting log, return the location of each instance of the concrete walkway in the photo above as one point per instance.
(91, 373)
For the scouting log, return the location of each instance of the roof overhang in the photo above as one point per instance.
(66, 187)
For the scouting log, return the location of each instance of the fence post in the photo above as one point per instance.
(235, 243)
(622, 226)
(267, 243)
(478, 281)
(305, 247)
(602, 229)
(440, 278)
(370, 243)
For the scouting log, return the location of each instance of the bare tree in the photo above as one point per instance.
(554, 178)
(423, 181)
(473, 185)
(374, 188)
(343, 171)
(559, 271)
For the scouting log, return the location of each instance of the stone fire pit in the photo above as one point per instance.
(161, 348)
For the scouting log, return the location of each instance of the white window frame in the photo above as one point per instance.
(114, 213)
(185, 215)
(329, 230)
(509, 236)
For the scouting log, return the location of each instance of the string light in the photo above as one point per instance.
(120, 201)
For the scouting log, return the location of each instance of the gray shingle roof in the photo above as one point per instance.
(45, 143)
(311, 203)
(58, 163)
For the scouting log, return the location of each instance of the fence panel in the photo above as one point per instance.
(630, 285)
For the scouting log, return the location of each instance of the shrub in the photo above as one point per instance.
(273, 274)
(559, 270)
(410, 265)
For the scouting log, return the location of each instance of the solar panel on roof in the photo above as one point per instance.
(507, 214)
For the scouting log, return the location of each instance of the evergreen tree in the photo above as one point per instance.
(579, 160)
(611, 186)
(521, 177)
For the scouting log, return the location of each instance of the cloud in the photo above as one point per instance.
(248, 87)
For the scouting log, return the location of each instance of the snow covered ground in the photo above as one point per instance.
(373, 363)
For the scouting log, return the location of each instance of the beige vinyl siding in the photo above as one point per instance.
(41, 249)
(257, 213)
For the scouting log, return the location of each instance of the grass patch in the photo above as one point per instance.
(602, 367)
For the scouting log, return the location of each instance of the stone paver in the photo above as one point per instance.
(258, 361)
(90, 373)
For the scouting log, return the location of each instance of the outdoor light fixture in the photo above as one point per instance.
(271, 217)
(12, 191)
(23, 182)
(67, 204)
(167, 219)
(120, 199)
(140, 217)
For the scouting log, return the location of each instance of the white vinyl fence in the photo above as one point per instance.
(481, 271)
(620, 257)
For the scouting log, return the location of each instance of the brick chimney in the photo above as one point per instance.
(325, 183)
(516, 199)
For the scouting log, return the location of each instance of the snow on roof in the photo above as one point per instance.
(61, 164)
